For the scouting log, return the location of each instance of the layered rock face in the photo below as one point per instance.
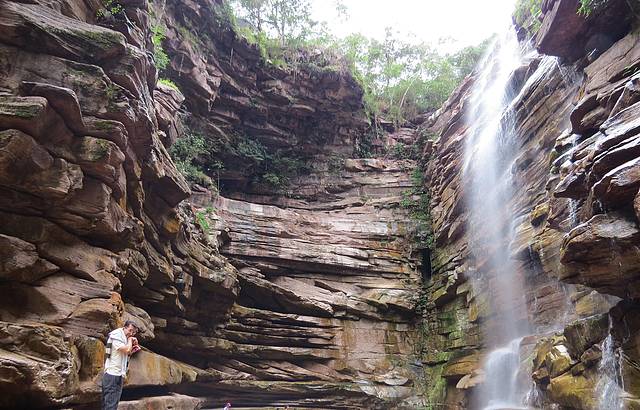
(575, 218)
(327, 292)
(92, 231)
(258, 296)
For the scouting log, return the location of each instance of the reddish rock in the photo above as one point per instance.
(567, 34)
(601, 253)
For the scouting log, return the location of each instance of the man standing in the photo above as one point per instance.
(120, 345)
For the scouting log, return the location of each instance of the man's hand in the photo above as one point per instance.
(134, 345)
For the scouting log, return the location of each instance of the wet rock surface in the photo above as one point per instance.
(575, 222)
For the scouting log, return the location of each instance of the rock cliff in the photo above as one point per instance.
(303, 287)
(260, 295)
(575, 214)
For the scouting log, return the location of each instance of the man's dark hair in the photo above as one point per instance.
(131, 323)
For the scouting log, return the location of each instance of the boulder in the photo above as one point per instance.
(38, 364)
(575, 392)
(169, 402)
(19, 261)
(583, 334)
(149, 369)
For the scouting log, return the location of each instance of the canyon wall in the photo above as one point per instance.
(259, 295)
(576, 219)
(314, 291)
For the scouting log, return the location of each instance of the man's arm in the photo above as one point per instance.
(126, 348)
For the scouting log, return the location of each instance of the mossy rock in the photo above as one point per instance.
(584, 333)
(576, 392)
(24, 108)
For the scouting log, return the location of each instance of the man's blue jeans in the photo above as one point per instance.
(111, 391)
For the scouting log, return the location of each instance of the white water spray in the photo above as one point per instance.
(490, 151)
(608, 390)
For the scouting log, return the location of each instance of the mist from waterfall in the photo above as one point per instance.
(491, 148)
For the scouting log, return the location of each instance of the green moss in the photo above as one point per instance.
(102, 148)
(435, 386)
(23, 111)
(103, 125)
(335, 164)
(102, 39)
(95, 149)
(111, 92)
(418, 203)
(168, 83)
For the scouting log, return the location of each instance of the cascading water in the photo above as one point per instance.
(608, 390)
(490, 151)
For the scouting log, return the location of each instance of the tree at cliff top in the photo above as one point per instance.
(400, 79)
(287, 20)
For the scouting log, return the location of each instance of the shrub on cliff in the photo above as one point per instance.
(403, 79)
(286, 20)
(189, 153)
(400, 79)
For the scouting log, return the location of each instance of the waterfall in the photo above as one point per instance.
(491, 147)
(608, 390)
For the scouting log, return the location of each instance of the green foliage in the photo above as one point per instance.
(364, 143)
(160, 57)
(275, 180)
(226, 15)
(252, 150)
(417, 202)
(111, 92)
(402, 151)
(283, 32)
(425, 135)
(193, 173)
(335, 164)
(288, 21)
(275, 169)
(187, 35)
(527, 14)
(279, 168)
(109, 8)
(202, 218)
(168, 83)
(189, 153)
(587, 7)
(401, 79)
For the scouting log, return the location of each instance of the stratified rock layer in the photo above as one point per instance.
(306, 301)
(576, 220)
